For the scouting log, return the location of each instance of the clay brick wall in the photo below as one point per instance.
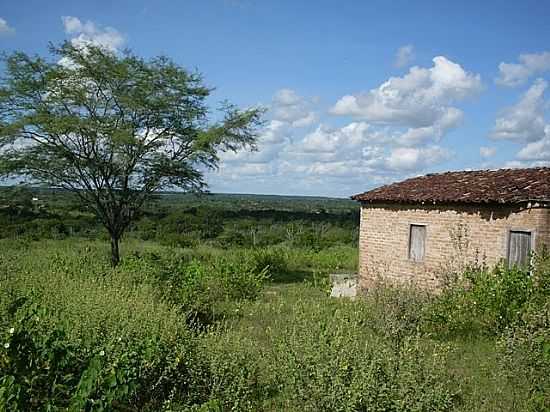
(455, 236)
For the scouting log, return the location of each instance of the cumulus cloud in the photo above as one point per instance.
(404, 56)
(290, 107)
(421, 101)
(328, 140)
(396, 134)
(401, 120)
(523, 122)
(418, 99)
(5, 28)
(414, 159)
(88, 33)
(487, 152)
(355, 148)
(270, 143)
(539, 150)
(514, 74)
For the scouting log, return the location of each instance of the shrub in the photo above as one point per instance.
(234, 381)
(200, 287)
(272, 259)
(88, 341)
(40, 369)
(525, 360)
(241, 279)
(395, 313)
(525, 346)
(44, 369)
(327, 358)
(481, 301)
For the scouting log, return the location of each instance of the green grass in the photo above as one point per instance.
(473, 363)
(292, 348)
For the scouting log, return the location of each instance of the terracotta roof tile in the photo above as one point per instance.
(479, 186)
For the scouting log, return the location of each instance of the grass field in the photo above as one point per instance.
(218, 323)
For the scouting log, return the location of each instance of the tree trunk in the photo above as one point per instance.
(115, 254)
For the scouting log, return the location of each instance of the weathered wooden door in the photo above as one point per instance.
(519, 248)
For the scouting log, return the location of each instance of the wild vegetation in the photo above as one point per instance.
(220, 303)
(112, 128)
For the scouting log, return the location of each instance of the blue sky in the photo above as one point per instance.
(360, 93)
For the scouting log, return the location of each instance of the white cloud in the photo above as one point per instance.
(539, 150)
(246, 169)
(270, 143)
(287, 97)
(5, 28)
(360, 146)
(487, 152)
(381, 148)
(290, 107)
(418, 99)
(514, 74)
(87, 33)
(450, 118)
(325, 139)
(404, 56)
(415, 159)
(523, 122)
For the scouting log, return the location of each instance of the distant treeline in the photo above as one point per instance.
(180, 219)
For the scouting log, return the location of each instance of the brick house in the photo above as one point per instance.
(417, 230)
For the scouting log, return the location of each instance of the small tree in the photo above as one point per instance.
(112, 128)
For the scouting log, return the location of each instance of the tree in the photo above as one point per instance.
(17, 199)
(113, 128)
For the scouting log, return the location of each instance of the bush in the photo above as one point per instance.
(272, 259)
(395, 313)
(481, 302)
(234, 372)
(200, 282)
(326, 358)
(40, 369)
(91, 337)
(44, 369)
(525, 351)
(525, 346)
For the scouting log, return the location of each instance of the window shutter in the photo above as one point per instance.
(417, 241)
(519, 248)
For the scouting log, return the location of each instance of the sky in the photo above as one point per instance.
(359, 93)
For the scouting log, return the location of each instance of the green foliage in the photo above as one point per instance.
(327, 363)
(268, 336)
(273, 260)
(525, 345)
(100, 340)
(40, 368)
(483, 301)
(17, 200)
(304, 351)
(234, 373)
(44, 369)
(200, 287)
(525, 351)
(112, 128)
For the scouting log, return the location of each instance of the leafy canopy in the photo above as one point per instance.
(113, 128)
